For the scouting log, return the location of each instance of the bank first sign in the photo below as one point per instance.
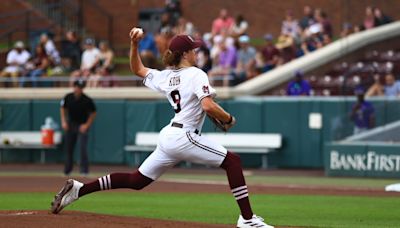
(369, 160)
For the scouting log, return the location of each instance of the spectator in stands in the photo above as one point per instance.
(228, 39)
(358, 28)
(147, 46)
(317, 38)
(326, 39)
(207, 39)
(307, 46)
(148, 50)
(184, 27)
(260, 64)
(392, 87)
(322, 18)
(225, 37)
(174, 11)
(71, 51)
(369, 19)
(239, 27)
(308, 18)
(51, 49)
(106, 57)
(246, 60)
(17, 59)
(346, 29)
(165, 24)
(270, 54)
(362, 113)
(203, 60)
(105, 66)
(216, 48)
(380, 18)
(299, 86)
(40, 64)
(376, 89)
(225, 64)
(290, 26)
(285, 45)
(223, 22)
(162, 40)
(90, 60)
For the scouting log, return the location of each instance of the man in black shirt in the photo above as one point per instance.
(77, 114)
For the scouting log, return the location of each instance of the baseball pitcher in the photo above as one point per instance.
(189, 92)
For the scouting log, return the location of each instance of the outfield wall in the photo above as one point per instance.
(362, 159)
(118, 121)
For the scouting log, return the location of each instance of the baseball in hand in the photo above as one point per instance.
(136, 33)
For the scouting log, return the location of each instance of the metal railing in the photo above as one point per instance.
(66, 81)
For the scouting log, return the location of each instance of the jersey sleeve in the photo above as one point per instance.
(151, 80)
(201, 86)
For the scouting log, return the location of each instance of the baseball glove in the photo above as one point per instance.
(221, 125)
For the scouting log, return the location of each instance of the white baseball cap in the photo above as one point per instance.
(244, 39)
(19, 44)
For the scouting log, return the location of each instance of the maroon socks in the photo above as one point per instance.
(233, 167)
(134, 180)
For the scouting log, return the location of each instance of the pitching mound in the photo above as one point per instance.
(68, 219)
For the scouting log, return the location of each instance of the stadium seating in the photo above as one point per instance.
(344, 76)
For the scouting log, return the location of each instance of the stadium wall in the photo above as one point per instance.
(202, 13)
(363, 159)
(119, 120)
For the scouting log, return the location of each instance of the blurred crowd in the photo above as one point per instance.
(25, 67)
(229, 55)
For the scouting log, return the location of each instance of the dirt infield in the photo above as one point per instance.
(44, 219)
(40, 183)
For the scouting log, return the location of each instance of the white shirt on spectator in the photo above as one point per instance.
(240, 29)
(291, 27)
(89, 58)
(52, 52)
(14, 57)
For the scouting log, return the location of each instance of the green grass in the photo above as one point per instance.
(290, 210)
(121, 60)
(4, 47)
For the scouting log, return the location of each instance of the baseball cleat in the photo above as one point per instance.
(255, 221)
(67, 195)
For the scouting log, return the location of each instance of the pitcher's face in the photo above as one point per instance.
(191, 57)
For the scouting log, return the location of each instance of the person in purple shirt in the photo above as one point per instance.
(298, 86)
(362, 113)
(225, 66)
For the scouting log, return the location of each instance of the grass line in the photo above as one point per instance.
(292, 210)
(251, 179)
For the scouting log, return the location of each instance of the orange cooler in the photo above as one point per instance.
(48, 137)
